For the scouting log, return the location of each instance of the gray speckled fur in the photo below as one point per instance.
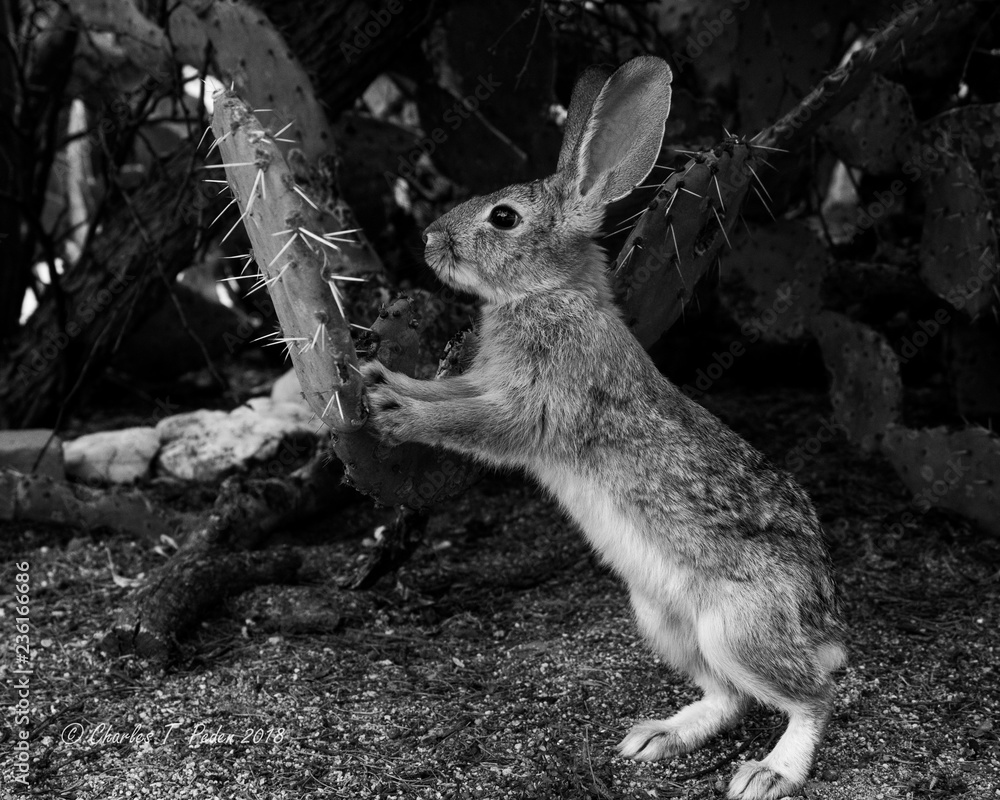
(722, 554)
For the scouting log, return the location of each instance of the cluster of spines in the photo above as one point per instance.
(657, 235)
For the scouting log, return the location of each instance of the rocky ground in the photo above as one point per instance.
(501, 661)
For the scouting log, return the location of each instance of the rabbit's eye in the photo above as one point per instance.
(504, 217)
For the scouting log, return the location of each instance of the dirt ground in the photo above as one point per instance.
(501, 662)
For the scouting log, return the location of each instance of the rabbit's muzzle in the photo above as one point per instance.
(439, 250)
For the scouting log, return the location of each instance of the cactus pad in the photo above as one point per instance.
(973, 131)
(958, 249)
(409, 474)
(300, 263)
(865, 390)
(955, 470)
(770, 283)
(253, 57)
(680, 235)
(866, 133)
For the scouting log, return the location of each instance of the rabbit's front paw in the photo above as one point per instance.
(652, 740)
(391, 414)
(373, 372)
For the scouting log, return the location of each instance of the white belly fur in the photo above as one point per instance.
(617, 537)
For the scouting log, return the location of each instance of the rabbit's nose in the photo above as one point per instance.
(431, 229)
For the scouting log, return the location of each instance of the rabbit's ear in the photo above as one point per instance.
(588, 86)
(622, 138)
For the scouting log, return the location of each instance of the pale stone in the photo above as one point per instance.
(206, 445)
(122, 456)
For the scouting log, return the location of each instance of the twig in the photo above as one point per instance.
(540, 12)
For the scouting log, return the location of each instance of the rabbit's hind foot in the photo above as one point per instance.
(688, 729)
(785, 769)
(755, 780)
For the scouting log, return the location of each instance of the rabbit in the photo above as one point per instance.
(722, 554)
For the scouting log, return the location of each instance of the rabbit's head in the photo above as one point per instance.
(539, 236)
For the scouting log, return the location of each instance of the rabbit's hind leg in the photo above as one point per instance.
(719, 709)
(779, 666)
(785, 769)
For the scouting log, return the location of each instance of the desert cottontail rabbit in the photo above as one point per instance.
(722, 554)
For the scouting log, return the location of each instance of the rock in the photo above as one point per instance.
(287, 389)
(20, 450)
(191, 422)
(122, 456)
(205, 445)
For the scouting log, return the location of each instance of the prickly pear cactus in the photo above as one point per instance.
(973, 131)
(867, 133)
(785, 48)
(865, 389)
(680, 235)
(958, 249)
(915, 26)
(248, 53)
(683, 231)
(770, 283)
(458, 354)
(394, 337)
(319, 180)
(301, 265)
(141, 40)
(945, 54)
(703, 37)
(409, 474)
(956, 470)
(254, 59)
